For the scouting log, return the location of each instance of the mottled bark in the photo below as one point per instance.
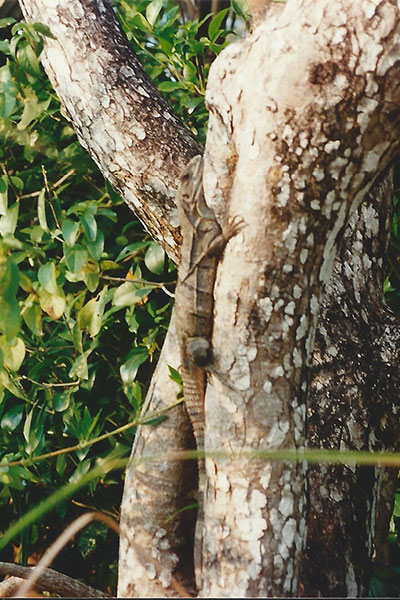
(293, 157)
(157, 543)
(353, 405)
(138, 142)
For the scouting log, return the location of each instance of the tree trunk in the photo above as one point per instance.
(293, 158)
(353, 405)
(293, 149)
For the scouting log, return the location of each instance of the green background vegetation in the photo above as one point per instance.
(85, 294)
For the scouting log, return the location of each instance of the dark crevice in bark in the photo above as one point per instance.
(353, 404)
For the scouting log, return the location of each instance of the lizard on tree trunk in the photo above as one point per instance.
(203, 242)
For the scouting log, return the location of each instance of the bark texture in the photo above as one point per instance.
(138, 142)
(293, 158)
(50, 581)
(353, 405)
(156, 539)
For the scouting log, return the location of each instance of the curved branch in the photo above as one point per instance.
(120, 117)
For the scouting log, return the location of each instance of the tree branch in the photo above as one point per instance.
(49, 581)
(120, 117)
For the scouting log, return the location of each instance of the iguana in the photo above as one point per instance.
(203, 242)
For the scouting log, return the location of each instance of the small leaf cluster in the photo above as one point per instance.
(177, 55)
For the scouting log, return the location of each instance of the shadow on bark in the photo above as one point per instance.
(353, 405)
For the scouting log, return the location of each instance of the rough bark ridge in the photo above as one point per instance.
(295, 183)
(119, 115)
(155, 544)
(353, 405)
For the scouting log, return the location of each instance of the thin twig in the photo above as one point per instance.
(62, 540)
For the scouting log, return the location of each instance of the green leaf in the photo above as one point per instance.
(70, 231)
(8, 222)
(7, 83)
(27, 425)
(128, 370)
(77, 337)
(91, 275)
(96, 248)
(47, 277)
(155, 258)
(215, 24)
(14, 389)
(192, 103)
(6, 21)
(17, 182)
(89, 226)
(13, 352)
(44, 30)
(12, 417)
(90, 316)
(240, 8)
(175, 375)
(61, 464)
(33, 318)
(33, 430)
(42, 210)
(3, 195)
(169, 86)
(109, 265)
(133, 392)
(75, 257)
(131, 249)
(5, 46)
(153, 10)
(26, 284)
(61, 400)
(396, 508)
(129, 293)
(27, 58)
(80, 367)
(31, 109)
(190, 71)
(52, 304)
(7, 104)
(139, 22)
(10, 319)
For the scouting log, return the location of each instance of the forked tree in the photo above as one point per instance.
(304, 126)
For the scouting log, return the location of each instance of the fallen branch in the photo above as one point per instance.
(49, 581)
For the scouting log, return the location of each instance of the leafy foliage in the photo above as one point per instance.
(177, 55)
